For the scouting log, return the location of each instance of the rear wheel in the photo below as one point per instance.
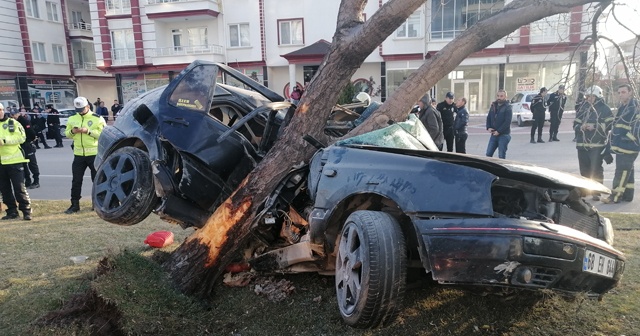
(370, 269)
(123, 187)
(520, 121)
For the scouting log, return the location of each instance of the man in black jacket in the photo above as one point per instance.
(447, 110)
(53, 120)
(30, 168)
(539, 109)
(499, 125)
(556, 108)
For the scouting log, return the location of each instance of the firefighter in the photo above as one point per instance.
(12, 186)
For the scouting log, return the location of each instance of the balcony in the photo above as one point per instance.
(182, 55)
(80, 30)
(88, 69)
(171, 10)
(123, 56)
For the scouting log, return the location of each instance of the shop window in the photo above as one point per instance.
(291, 32)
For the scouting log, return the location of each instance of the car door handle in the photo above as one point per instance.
(174, 122)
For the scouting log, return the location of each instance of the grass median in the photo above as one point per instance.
(121, 289)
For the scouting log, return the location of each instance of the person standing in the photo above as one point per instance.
(539, 109)
(103, 111)
(296, 95)
(12, 185)
(41, 134)
(591, 125)
(84, 128)
(447, 110)
(39, 125)
(53, 119)
(557, 100)
(460, 125)
(499, 125)
(115, 108)
(431, 119)
(625, 144)
(29, 151)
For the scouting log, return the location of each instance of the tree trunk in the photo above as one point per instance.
(200, 260)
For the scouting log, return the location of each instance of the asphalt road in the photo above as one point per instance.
(55, 163)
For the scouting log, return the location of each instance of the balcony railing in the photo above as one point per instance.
(80, 26)
(189, 50)
(85, 66)
(121, 56)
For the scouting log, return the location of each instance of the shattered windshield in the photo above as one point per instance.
(409, 134)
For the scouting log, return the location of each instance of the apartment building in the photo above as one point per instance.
(47, 54)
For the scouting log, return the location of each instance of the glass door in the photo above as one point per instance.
(471, 90)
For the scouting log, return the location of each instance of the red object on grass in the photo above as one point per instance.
(159, 239)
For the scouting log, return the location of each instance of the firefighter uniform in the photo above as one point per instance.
(12, 186)
(625, 144)
(84, 128)
(591, 126)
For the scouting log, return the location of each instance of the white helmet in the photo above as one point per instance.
(594, 91)
(364, 97)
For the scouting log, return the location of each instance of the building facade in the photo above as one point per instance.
(144, 43)
(48, 56)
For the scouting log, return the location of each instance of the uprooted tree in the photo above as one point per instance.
(201, 259)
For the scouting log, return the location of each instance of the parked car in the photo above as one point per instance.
(64, 116)
(521, 107)
(365, 209)
(181, 132)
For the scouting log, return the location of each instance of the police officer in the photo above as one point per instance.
(538, 108)
(591, 125)
(84, 128)
(11, 168)
(447, 109)
(557, 100)
(29, 151)
(625, 143)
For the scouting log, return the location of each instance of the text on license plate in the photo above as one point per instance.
(597, 263)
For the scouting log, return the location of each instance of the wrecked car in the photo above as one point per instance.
(370, 207)
(366, 209)
(166, 151)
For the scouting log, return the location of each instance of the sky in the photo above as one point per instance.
(628, 12)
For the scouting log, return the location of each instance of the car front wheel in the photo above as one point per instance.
(370, 269)
(123, 187)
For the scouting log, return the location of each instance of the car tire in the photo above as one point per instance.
(520, 121)
(123, 191)
(62, 130)
(370, 269)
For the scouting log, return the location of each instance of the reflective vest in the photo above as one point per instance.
(600, 118)
(12, 135)
(624, 136)
(85, 144)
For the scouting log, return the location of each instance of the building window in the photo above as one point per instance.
(123, 46)
(176, 39)
(410, 28)
(118, 6)
(32, 8)
(452, 17)
(37, 49)
(239, 35)
(52, 11)
(58, 55)
(291, 32)
(198, 37)
(551, 30)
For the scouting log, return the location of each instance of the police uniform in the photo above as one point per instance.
(85, 147)
(11, 169)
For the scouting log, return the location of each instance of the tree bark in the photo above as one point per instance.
(201, 259)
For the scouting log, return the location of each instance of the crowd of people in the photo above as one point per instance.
(21, 134)
(599, 133)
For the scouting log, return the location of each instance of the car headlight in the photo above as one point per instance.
(606, 230)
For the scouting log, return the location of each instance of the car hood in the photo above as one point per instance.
(411, 138)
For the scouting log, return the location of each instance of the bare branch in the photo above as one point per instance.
(624, 64)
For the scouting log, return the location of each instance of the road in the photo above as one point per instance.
(55, 163)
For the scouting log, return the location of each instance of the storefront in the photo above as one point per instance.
(134, 85)
(57, 92)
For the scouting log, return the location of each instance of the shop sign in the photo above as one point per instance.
(8, 93)
(57, 92)
(525, 84)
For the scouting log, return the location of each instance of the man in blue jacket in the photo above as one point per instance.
(499, 125)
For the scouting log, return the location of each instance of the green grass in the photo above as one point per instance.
(136, 298)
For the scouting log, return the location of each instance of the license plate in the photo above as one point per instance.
(597, 263)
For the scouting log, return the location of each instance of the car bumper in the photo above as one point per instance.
(520, 256)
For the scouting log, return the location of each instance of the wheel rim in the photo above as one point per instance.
(349, 269)
(115, 182)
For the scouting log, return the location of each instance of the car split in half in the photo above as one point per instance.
(364, 209)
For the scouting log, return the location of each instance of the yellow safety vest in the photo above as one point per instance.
(85, 144)
(12, 135)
